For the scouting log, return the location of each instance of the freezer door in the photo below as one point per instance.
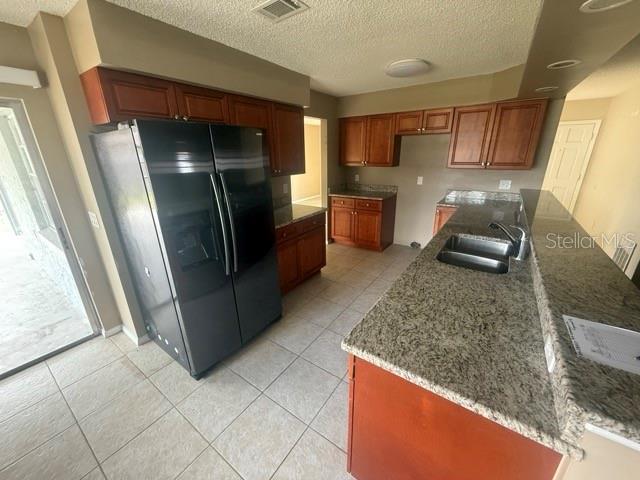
(174, 144)
(242, 170)
(199, 257)
(125, 185)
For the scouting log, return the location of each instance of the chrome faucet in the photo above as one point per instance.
(520, 245)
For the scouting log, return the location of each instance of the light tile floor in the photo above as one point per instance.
(275, 410)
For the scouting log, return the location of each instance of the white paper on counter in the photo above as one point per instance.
(612, 346)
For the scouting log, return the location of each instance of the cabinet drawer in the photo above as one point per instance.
(287, 232)
(363, 204)
(342, 202)
(311, 223)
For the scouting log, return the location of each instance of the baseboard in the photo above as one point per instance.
(112, 331)
(134, 338)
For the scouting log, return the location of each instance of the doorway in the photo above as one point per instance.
(44, 302)
(569, 159)
(307, 188)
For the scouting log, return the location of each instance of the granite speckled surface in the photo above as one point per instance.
(294, 213)
(585, 283)
(471, 337)
(363, 190)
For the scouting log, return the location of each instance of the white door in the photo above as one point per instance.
(569, 159)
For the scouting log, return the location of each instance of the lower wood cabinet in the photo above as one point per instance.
(398, 430)
(443, 214)
(301, 251)
(363, 223)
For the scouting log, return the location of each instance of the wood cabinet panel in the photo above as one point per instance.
(196, 103)
(343, 202)
(399, 430)
(250, 112)
(342, 224)
(288, 138)
(443, 214)
(438, 120)
(312, 251)
(381, 148)
(353, 131)
(288, 265)
(515, 135)
(367, 228)
(366, 204)
(115, 96)
(470, 137)
(409, 123)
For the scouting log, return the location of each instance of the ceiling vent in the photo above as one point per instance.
(277, 10)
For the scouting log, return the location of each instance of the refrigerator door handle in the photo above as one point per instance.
(227, 260)
(233, 227)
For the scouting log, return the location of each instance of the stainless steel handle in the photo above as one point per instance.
(233, 228)
(227, 260)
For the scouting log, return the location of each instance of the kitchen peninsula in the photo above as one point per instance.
(448, 372)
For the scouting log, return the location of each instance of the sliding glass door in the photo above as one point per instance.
(44, 301)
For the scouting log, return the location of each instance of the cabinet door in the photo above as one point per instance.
(368, 225)
(443, 214)
(471, 132)
(197, 103)
(342, 224)
(288, 266)
(312, 252)
(288, 139)
(353, 133)
(516, 132)
(409, 123)
(438, 121)
(115, 96)
(381, 148)
(251, 112)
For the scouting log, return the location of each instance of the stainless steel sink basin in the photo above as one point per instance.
(476, 253)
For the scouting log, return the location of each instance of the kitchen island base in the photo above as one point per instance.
(401, 431)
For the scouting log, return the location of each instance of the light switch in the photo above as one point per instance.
(285, 188)
(504, 185)
(356, 178)
(420, 180)
(94, 219)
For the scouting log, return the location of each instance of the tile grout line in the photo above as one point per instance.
(78, 425)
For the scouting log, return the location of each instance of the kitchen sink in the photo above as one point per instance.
(476, 253)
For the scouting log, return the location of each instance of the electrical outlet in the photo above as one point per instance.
(504, 185)
(420, 180)
(356, 178)
(285, 188)
(94, 219)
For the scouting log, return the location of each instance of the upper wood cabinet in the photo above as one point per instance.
(288, 139)
(515, 135)
(423, 122)
(409, 123)
(353, 134)
(471, 133)
(382, 148)
(114, 96)
(437, 121)
(197, 103)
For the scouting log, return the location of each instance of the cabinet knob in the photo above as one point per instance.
(176, 117)
(185, 118)
(419, 129)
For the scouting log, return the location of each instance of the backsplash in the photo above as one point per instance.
(363, 187)
(476, 195)
(278, 187)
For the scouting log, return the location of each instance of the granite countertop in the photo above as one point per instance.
(368, 194)
(474, 338)
(294, 213)
(584, 283)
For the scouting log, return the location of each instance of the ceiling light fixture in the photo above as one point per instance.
(409, 67)
(597, 6)
(563, 64)
(546, 89)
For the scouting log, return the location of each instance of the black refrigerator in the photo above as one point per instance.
(193, 207)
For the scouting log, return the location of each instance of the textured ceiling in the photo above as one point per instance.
(344, 45)
(618, 74)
